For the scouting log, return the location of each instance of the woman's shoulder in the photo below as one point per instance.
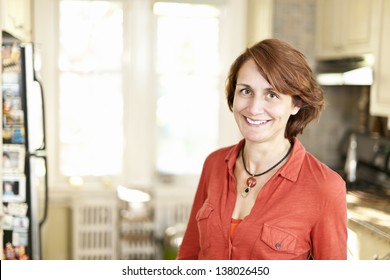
(315, 163)
(325, 177)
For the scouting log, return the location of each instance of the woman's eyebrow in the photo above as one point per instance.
(243, 85)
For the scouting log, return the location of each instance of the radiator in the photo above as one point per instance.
(168, 214)
(101, 229)
(95, 229)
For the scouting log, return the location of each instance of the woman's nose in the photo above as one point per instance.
(256, 105)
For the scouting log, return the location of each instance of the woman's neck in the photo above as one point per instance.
(261, 156)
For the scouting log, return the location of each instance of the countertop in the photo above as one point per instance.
(370, 211)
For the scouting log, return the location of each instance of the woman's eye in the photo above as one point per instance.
(273, 95)
(245, 91)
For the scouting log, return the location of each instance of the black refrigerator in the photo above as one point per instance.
(24, 165)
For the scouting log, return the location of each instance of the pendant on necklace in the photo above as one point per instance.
(250, 183)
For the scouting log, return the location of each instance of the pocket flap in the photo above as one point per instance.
(204, 212)
(278, 239)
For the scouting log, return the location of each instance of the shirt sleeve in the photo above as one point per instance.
(190, 247)
(329, 235)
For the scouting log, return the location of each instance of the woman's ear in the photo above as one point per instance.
(296, 106)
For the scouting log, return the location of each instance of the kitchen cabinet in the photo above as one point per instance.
(380, 90)
(346, 28)
(16, 18)
(260, 17)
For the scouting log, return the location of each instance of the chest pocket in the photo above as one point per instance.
(203, 220)
(279, 239)
(279, 244)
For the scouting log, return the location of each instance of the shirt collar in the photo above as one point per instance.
(290, 170)
(232, 155)
(293, 166)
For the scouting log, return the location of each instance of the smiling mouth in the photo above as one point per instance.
(255, 122)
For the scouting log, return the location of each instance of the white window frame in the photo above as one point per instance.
(139, 109)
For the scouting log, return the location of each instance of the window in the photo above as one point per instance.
(127, 97)
(90, 83)
(188, 85)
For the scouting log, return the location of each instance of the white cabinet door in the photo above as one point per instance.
(328, 40)
(16, 18)
(346, 28)
(380, 91)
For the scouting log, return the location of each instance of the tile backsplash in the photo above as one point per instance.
(341, 115)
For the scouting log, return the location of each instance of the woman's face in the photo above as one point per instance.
(261, 113)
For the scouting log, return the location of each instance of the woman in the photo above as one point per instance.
(267, 197)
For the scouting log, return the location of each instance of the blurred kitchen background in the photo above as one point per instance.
(134, 102)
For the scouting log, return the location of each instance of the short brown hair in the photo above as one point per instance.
(288, 72)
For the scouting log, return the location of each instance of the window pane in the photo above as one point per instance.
(91, 125)
(188, 85)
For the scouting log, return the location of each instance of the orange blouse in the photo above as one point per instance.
(300, 211)
(233, 226)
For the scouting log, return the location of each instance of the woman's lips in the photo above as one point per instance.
(255, 122)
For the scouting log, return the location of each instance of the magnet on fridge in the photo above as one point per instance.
(8, 222)
(9, 252)
(20, 253)
(23, 239)
(14, 188)
(16, 209)
(15, 239)
(13, 158)
(20, 224)
(18, 134)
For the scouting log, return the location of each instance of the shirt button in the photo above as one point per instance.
(277, 245)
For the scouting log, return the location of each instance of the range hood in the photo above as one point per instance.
(345, 71)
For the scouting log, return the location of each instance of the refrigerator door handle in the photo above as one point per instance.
(41, 154)
(38, 84)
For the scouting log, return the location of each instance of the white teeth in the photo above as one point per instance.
(255, 122)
